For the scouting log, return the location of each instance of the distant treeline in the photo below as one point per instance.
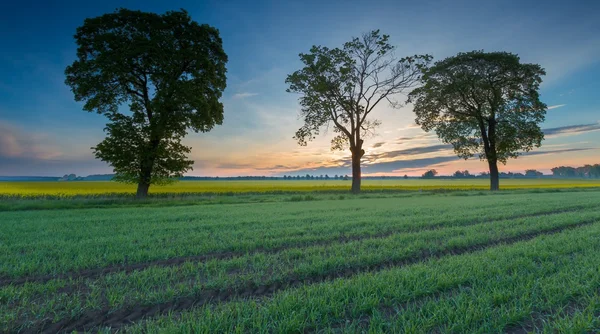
(530, 173)
(586, 171)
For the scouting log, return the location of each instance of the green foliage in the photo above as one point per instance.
(168, 69)
(484, 104)
(343, 85)
(340, 87)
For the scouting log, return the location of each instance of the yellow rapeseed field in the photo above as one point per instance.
(107, 188)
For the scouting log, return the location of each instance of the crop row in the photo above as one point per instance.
(508, 288)
(97, 238)
(255, 274)
(352, 233)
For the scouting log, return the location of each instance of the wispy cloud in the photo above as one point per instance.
(409, 127)
(409, 152)
(243, 95)
(566, 150)
(17, 143)
(419, 137)
(556, 106)
(376, 145)
(571, 129)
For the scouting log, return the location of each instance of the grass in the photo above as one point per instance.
(104, 189)
(435, 263)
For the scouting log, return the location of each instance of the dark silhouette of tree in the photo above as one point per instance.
(482, 103)
(563, 171)
(342, 86)
(169, 69)
(533, 173)
(462, 174)
(429, 174)
(405, 176)
(589, 171)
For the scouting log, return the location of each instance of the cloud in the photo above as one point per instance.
(409, 151)
(16, 143)
(566, 150)
(376, 145)
(243, 95)
(25, 153)
(420, 137)
(556, 106)
(391, 166)
(409, 127)
(571, 129)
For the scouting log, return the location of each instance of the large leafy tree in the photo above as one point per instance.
(168, 69)
(484, 104)
(342, 86)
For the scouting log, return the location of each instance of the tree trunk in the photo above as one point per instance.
(357, 154)
(355, 174)
(146, 169)
(142, 190)
(494, 176)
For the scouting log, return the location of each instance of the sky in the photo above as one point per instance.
(44, 132)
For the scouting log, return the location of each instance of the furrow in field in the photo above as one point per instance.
(119, 318)
(533, 292)
(337, 238)
(507, 284)
(363, 320)
(538, 318)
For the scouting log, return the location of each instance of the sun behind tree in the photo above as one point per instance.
(168, 69)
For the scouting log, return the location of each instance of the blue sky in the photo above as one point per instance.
(43, 131)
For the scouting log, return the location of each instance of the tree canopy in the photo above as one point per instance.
(484, 104)
(170, 72)
(340, 87)
(429, 174)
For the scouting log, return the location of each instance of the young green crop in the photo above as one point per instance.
(56, 241)
(483, 292)
(156, 285)
(310, 243)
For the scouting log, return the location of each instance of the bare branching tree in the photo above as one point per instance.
(342, 86)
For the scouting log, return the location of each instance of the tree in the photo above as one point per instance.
(429, 174)
(533, 173)
(563, 171)
(405, 176)
(342, 86)
(462, 174)
(168, 69)
(482, 103)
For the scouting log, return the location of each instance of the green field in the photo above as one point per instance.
(454, 262)
(104, 189)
